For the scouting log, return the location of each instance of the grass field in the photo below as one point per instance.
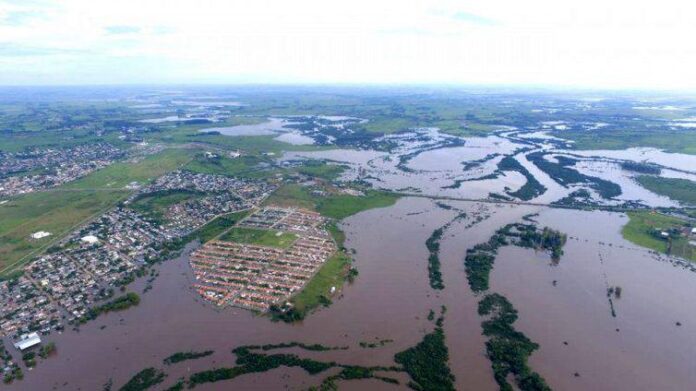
(640, 225)
(337, 206)
(332, 274)
(155, 205)
(61, 210)
(260, 237)
(681, 142)
(321, 170)
(243, 166)
(682, 190)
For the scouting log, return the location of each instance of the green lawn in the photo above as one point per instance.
(682, 190)
(119, 175)
(638, 231)
(337, 206)
(320, 169)
(59, 211)
(332, 274)
(155, 205)
(261, 237)
(243, 166)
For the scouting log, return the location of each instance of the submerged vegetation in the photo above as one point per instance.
(250, 362)
(426, 362)
(643, 168)
(183, 356)
(531, 189)
(121, 303)
(563, 174)
(508, 349)
(682, 190)
(433, 245)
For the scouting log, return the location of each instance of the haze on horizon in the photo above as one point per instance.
(594, 44)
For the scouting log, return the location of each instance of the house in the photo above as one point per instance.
(27, 340)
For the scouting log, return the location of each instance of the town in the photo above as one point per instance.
(256, 276)
(39, 169)
(74, 275)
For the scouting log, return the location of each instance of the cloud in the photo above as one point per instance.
(8, 49)
(18, 18)
(594, 43)
(117, 30)
(467, 17)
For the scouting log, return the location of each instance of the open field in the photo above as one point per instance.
(260, 237)
(681, 142)
(155, 205)
(332, 274)
(244, 166)
(62, 209)
(337, 206)
(638, 231)
(682, 190)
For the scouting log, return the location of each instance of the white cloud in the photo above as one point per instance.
(615, 44)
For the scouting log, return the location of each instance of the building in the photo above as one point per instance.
(27, 340)
(40, 234)
(91, 239)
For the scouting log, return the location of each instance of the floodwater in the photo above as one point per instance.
(571, 319)
(269, 128)
(672, 160)
(295, 138)
(648, 352)
(171, 118)
(391, 298)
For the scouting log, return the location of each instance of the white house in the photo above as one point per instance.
(27, 340)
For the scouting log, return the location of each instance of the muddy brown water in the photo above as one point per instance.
(391, 298)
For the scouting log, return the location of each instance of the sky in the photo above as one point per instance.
(608, 44)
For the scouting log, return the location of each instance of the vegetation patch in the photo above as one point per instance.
(250, 362)
(682, 190)
(155, 205)
(334, 205)
(317, 292)
(426, 362)
(183, 356)
(260, 237)
(563, 174)
(507, 348)
(433, 245)
(643, 168)
(479, 260)
(118, 304)
(671, 141)
(531, 189)
(646, 228)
